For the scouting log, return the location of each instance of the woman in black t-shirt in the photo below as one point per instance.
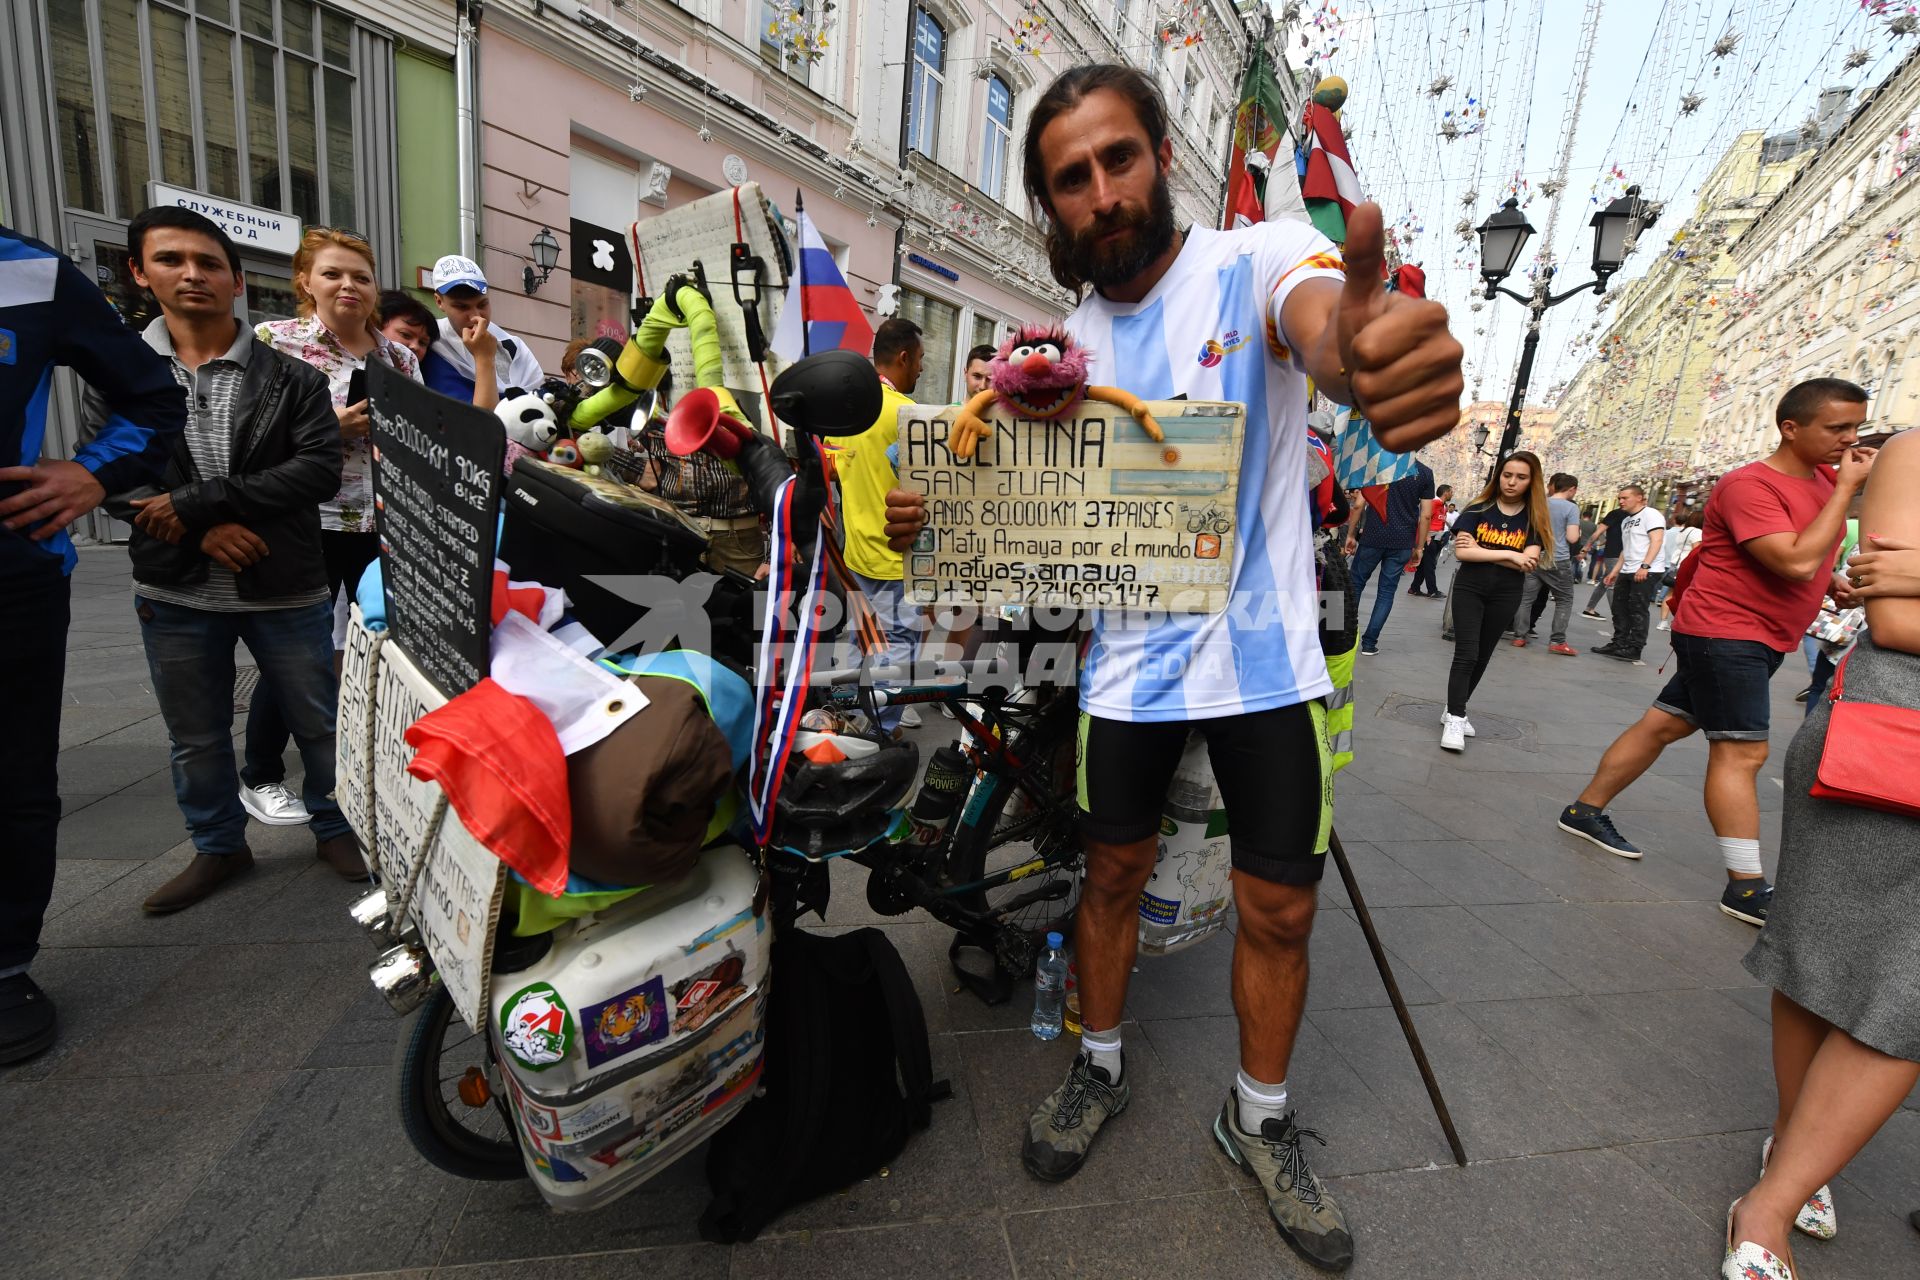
(1500, 538)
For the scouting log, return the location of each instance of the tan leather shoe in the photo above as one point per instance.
(203, 875)
(342, 853)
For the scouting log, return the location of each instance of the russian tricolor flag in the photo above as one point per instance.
(818, 296)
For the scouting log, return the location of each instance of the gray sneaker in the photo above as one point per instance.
(1065, 1125)
(1297, 1200)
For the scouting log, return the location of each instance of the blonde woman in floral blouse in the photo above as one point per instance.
(337, 332)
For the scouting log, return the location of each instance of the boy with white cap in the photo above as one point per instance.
(469, 345)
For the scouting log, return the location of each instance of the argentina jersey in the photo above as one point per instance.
(1209, 330)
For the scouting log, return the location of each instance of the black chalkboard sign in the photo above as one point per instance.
(437, 467)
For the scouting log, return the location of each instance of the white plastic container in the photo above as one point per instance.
(639, 1034)
(1187, 896)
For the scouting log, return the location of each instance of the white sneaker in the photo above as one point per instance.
(274, 804)
(1452, 736)
(910, 718)
(1664, 626)
(1466, 726)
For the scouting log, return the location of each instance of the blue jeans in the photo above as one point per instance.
(900, 623)
(190, 654)
(1392, 562)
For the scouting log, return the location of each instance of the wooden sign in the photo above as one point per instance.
(704, 230)
(437, 472)
(1084, 512)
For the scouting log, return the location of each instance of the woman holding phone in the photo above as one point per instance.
(337, 331)
(1500, 538)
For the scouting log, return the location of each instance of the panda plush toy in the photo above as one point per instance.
(530, 421)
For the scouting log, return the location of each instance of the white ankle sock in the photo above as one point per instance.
(1741, 856)
(1103, 1050)
(1259, 1101)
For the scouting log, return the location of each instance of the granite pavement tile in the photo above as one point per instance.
(1149, 1150)
(1628, 1087)
(1693, 936)
(961, 1250)
(1190, 983)
(1569, 941)
(105, 767)
(1464, 874)
(1342, 974)
(322, 1182)
(680, 1262)
(94, 1168)
(266, 1006)
(1370, 819)
(1500, 1107)
(76, 879)
(137, 825)
(1573, 869)
(1221, 1234)
(96, 992)
(1711, 1034)
(1567, 1216)
(1461, 957)
(1384, 880)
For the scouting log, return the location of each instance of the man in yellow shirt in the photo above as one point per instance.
(867, 472)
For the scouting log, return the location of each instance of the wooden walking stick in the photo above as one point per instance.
(1393, 995)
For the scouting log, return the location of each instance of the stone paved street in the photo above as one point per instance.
(220, 1101)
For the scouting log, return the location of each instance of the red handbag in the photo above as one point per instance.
(1869, 754)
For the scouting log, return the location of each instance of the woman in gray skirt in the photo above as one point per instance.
(1841, 948)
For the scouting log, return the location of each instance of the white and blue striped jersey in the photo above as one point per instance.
(1210, 330)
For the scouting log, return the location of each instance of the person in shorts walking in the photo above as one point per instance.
(1765, 559)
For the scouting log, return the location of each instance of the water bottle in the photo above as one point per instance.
(1049, 988)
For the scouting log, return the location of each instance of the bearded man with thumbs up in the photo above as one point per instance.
(1245, 315)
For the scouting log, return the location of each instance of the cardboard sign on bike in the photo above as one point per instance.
(1086, 511)
(457, 900)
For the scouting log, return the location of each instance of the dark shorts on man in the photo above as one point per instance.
(1273, 770)
(1721, 687)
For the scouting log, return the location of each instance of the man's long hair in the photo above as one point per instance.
(1065, 259)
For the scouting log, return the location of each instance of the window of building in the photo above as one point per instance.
(1189, 83)
(939, 329)
(999, 137)
(251, 101)
(1119, 21)
(927, 79)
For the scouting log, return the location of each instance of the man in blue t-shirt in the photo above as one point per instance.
(1391, 545)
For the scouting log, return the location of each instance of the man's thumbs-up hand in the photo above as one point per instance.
(1401, 364)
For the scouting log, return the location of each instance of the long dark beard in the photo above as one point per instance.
(1078, 260)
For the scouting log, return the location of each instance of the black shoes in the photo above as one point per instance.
(26, 1019)
(1747, 900)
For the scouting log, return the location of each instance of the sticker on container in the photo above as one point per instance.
(634, 1018)
(536, 1026)
(696, 999)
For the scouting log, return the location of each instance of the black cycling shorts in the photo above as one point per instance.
(1273, 768)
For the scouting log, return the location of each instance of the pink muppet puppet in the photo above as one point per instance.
(1040, 372)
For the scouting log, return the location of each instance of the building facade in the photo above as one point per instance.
(1632, 413)
(266, 114)
(1457, 462)
(900, 121)
(1826, 283)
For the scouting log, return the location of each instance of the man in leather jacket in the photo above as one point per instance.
(229, 550)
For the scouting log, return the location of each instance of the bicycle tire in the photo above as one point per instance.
(425, 1114)
(973, 855)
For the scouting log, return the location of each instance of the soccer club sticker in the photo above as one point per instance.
(634, 1018)
(536, 1026)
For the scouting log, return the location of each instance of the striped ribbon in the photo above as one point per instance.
(777, 709)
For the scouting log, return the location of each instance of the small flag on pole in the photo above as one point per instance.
(821, 313)
(1258, 190)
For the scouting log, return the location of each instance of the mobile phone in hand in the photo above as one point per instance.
(357, 386)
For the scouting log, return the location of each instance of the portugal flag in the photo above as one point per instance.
(1326, 174)
(1260, 192)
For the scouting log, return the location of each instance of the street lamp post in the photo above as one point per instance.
(1502, 238)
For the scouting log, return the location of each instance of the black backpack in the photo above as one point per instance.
(849, 1077)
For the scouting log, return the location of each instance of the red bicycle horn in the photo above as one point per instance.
(696, 424)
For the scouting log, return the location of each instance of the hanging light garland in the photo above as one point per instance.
(1030, 31)
(799, 29)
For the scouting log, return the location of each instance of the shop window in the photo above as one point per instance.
(998, 142)
(926, 80)
(73, 105)
(172, 96)
(939, 329)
